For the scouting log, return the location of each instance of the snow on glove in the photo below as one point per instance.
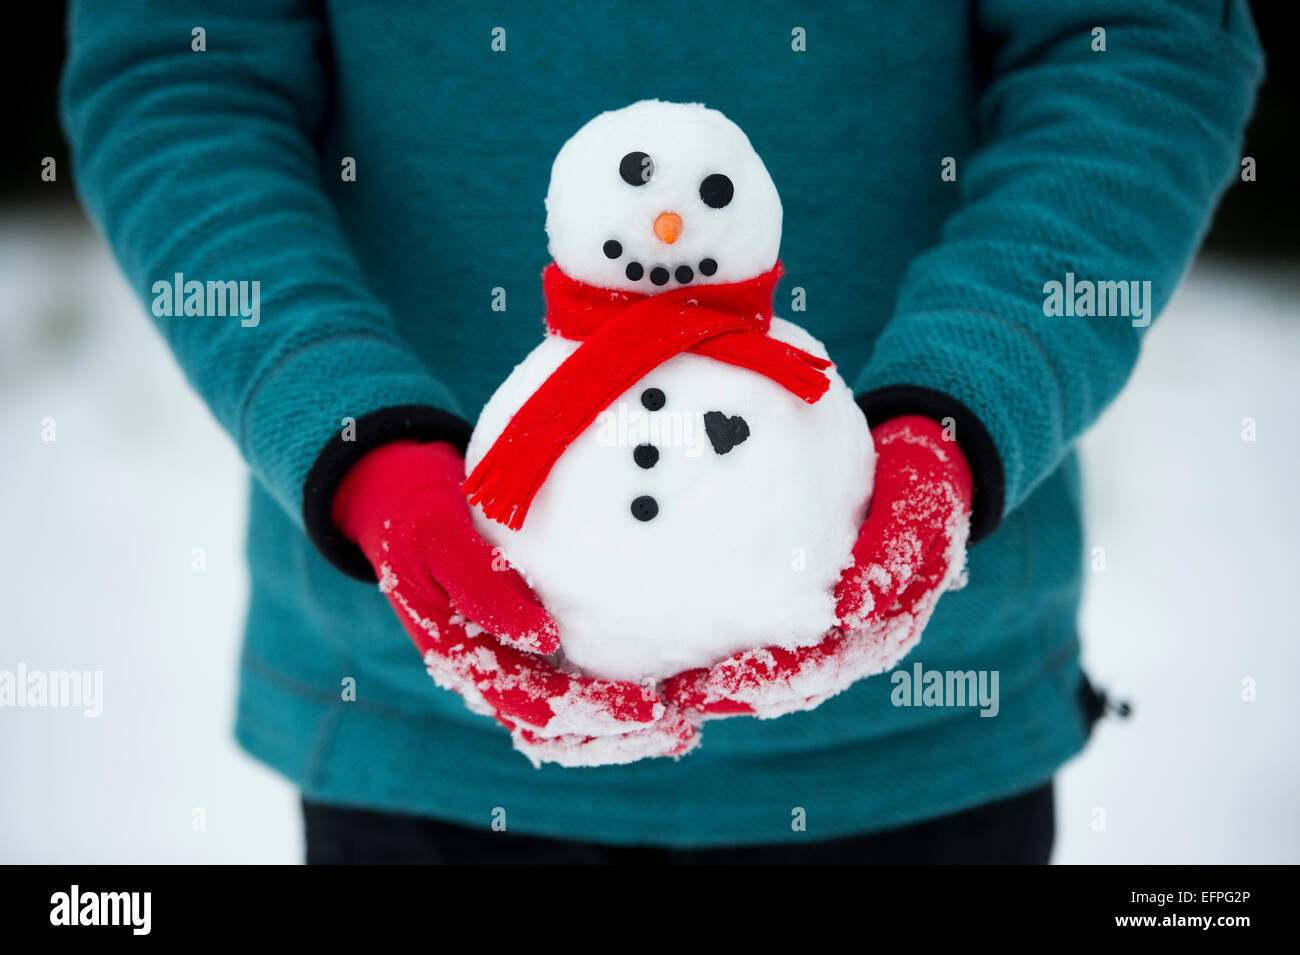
(910, 550)
(403, 506)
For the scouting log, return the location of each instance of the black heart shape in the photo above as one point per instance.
(724, 433)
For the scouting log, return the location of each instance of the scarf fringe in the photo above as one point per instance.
(499, 491)
(797, 371)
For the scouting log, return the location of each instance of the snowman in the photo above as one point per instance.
(679, 474)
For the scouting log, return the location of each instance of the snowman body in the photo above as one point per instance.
(657, 561)
(707, 510)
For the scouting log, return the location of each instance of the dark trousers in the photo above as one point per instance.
(1016, 830)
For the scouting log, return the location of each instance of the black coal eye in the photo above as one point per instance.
(716, 190)
(636, 169)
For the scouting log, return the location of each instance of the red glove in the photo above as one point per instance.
(910, 550)
(403, 506)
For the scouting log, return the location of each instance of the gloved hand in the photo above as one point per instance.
(477, 623)
(910, 550)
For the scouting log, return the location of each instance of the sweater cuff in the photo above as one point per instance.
(399, 423)
(989, 498)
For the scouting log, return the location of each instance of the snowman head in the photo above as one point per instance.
(657, 196)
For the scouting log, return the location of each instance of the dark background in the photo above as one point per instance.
(1255, 219)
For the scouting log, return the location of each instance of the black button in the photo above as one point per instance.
(684, 274)
(708, 266)
(659, 275)
(652, 399)
(613, 249)
(645, 455)
(634, 271)
(645, 507)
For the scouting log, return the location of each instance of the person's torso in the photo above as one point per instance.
(453, 143)
(454, 117)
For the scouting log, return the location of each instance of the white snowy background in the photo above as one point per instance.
(1198, 594)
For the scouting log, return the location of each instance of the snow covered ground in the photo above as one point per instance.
(1196, 605)
(98, 572)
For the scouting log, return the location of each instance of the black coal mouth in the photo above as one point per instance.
(660, 273)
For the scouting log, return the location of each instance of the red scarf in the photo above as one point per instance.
(625, 336)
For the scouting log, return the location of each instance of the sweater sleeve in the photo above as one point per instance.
(1104, 166)
(204, 164)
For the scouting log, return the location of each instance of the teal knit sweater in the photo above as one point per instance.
(939, 162)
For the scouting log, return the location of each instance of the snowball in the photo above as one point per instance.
(589, 203)
(747, 546)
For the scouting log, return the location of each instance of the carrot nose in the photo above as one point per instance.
(668, 227)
